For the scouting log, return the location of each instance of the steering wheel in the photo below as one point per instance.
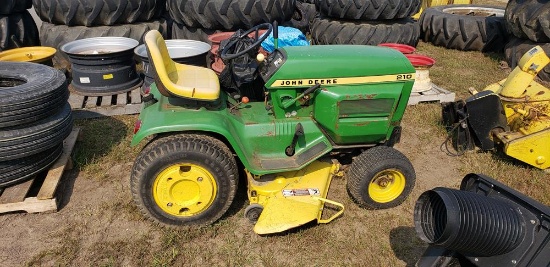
(226, 56)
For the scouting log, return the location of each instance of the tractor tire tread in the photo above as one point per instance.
(169, 147)
(229, 14)
(369, 9)
(327, 31)
(463, 32)
(98, 12)
(529, 19)
(370, 162)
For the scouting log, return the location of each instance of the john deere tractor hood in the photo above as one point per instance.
(305, 63)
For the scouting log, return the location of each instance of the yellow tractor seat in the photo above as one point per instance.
(179, 80)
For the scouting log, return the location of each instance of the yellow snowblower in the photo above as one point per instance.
(513, 114)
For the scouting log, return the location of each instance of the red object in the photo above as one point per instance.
(137, 126)
(420, 60)
(403, 48)
(245, 100)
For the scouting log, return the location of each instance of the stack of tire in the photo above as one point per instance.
(35, 118)
(196, 20)
(304, 14)
(69, 20)
(17, 28)
(465, 27)
(529, 22)
(366, 22)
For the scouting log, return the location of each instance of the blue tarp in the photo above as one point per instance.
(288, 36)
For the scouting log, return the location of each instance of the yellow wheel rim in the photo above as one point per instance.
(387, 185)
(184, 190)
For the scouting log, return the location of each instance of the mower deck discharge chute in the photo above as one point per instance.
(298, 112)
(513, 114)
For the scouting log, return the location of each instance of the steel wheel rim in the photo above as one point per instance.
(184, 190)
(475, 11)
(387, 185)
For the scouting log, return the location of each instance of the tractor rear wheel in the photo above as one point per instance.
(465, 27)
(328, 31)
(529, 19)
(184, 179)
(380, 178)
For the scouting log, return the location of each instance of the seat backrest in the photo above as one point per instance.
(161, 62)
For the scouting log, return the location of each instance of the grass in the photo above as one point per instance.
(113, 233)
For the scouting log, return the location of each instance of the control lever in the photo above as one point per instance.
(308, 91)
(299, 131)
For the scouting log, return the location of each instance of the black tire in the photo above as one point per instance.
(529, 19)
(180, 31)
(42, 92)
(208, 157)
(98, 12)
(19, 27)
(303, 16)
(20, 170)
(377, 165)
(58, 35)
(14, 6)
(22, 141)
(326, 31)
(369, 9)
(229, 14)
(450, 26)
(516, 48)
(252, 212)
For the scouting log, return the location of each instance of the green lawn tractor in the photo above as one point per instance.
(286, 129)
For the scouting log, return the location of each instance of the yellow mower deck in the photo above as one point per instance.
(292, 199)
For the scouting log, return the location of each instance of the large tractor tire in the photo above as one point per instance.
(465, 27)
(529, 19)
(23, 169)
(184, 179)
(14, 6)
(98, 12)
(326, 31)
(369, 9)
(380, 178)
(516, 48)
(18, 29)
(229, 14)
(58, 35)
(29, 92)
(303, 17)
(26, 140)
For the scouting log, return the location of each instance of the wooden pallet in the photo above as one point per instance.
(98, 106)
(436, 94)
(38, 194)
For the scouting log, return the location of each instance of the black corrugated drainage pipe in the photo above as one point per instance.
(189, 52)
(468, 222)
(102, 65)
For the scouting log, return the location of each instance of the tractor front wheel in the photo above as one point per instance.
(380, 178)
(184, 179)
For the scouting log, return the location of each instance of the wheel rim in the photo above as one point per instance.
(475, 11)
(184, 190)
(387, 185)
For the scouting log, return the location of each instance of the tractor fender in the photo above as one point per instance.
(211, 123)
